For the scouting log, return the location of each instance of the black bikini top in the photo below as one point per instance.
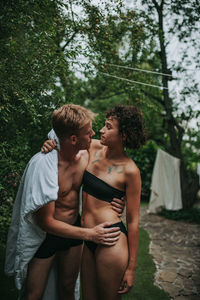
(99, 188)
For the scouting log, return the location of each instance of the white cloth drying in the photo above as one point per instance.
(165, 185)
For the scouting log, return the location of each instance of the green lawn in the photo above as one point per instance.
(144, 288)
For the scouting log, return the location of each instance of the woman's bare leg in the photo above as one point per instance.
(111, 263)
(88, 275)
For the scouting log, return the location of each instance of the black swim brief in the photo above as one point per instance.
(53, 243)
(92, 246)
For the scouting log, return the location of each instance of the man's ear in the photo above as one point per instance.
(73, 139)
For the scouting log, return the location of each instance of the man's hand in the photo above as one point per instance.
(118, 205)
(48, 146)
(105, 236)
(127, 282)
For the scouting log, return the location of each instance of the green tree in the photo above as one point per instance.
(140, 39)
(29, 91)
(39, 41)
(43, 43)
(173, 121)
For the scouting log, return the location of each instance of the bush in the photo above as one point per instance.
(5, 219)
(189, 215)
(144, 159)
(16, 153)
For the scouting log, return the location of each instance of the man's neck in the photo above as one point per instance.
(67, 153)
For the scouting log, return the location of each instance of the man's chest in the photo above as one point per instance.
(69, 179)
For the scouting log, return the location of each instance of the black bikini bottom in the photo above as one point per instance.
(92, 246)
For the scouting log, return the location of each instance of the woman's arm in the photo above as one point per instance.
(133, 192)
(48, 146)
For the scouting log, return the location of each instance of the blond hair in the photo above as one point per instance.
(69, 119)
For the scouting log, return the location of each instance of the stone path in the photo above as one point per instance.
(175, 247)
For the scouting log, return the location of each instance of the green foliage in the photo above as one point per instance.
(43, 42)
(98, 124)
(5, 219)
(28, 69)
(15, 155)
(190, 215)
(144, 159)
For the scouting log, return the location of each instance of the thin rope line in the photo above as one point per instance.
(125, 79)
(141, 70)
(130, 68)
(137, 69)
(138, 82)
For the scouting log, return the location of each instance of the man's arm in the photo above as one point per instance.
(98, 234)
(118, 205)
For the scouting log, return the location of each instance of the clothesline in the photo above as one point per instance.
(129, 80)
(130, 68)
(133, 81)
(140, 70)
(135, 69)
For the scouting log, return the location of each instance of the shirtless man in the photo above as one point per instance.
(60, 219)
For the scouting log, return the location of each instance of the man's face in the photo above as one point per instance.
(85, 136)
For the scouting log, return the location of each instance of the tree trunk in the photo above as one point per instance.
(189, 186)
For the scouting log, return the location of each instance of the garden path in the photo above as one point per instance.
(175, 247)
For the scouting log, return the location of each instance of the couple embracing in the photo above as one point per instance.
(46, 224)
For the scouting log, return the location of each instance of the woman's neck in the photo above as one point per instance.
(115, 152)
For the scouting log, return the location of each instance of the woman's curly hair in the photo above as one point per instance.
(131, 124)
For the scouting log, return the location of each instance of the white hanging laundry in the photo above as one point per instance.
(165, 184)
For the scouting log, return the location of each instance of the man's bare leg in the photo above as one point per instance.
(37, 275)
(68, 269)
(88, 275)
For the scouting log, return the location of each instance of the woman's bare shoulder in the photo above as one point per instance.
(83, 155)
(131, 169)
(95, 144)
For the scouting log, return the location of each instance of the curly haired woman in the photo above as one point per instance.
(108, 272)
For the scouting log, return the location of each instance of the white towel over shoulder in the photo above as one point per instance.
(39, 186)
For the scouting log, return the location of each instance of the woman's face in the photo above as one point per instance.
(110, 132)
